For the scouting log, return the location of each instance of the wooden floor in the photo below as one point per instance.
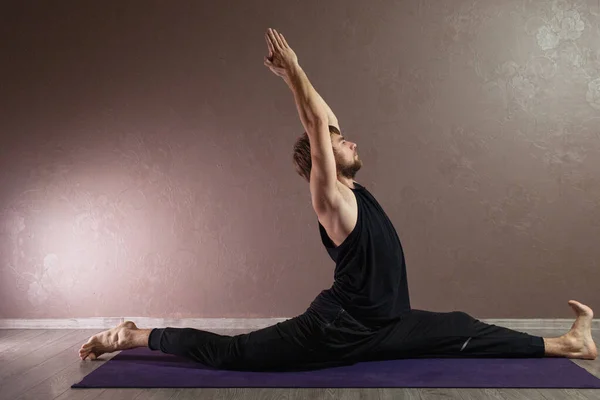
(43, 364)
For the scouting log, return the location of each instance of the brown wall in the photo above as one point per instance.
(146, 153)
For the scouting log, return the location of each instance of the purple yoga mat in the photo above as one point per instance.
(144, 368)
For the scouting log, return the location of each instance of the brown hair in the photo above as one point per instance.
(302, 160)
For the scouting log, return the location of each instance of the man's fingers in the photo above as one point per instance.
(281, 40)
(269, 47)
(285, 43)
(268, 39)
(270, 44)
(278, 39)
(273, 39)
(269, 64)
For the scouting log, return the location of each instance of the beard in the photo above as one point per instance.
(349, 169)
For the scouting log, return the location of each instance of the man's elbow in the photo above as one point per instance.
(332, 120)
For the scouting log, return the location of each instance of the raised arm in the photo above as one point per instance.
(315, 116)
(284, 63)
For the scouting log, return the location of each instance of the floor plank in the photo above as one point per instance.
(29, 360)
(82, 394)
(6, 333)
(59, 383)
(36, 367)
(123, 394)
(23, 347)
(398, 393)
(20, 339)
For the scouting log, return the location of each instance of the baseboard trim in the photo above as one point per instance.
(237, 323)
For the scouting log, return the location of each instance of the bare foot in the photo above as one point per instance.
(117, 338)
(579, 338)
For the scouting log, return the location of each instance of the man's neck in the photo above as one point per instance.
(348, 183)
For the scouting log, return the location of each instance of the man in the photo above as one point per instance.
(366, 314)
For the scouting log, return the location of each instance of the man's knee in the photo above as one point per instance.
(463, 317)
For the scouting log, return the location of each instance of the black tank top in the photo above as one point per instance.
(370, 280)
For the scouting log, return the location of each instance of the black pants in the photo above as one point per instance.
(314, 341)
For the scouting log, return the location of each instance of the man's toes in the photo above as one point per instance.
(88, 354)
(86, 351)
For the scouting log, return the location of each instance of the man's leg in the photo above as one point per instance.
(425, 334)
(288, 345)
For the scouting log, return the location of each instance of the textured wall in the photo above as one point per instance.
(146, 153)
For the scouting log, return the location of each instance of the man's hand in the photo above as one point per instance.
(281, 57)
(283, 62)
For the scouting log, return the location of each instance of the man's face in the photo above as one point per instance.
(346, 156)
